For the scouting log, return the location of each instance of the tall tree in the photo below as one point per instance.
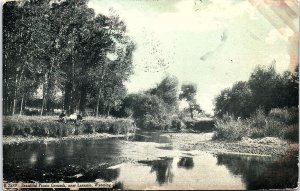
(265, 89)
(263, 82)
(23, 25)
(167, 90)
(236, 101)
(188, 92)
(10, 35)
(72, 19)
(61, 47)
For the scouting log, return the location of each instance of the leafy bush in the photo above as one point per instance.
(280, 114)
(153, 109)
(292, 133)
(121, 126)
(281, 123)
(203, 125)
(149, 111)
(231, 129)
(177, 123)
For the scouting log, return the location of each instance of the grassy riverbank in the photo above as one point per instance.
(45, 129)
(280, 123)
(49, 126)
(12, 140)
(204, 142)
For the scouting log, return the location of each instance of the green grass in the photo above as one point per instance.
(49, 126)
(281, 123)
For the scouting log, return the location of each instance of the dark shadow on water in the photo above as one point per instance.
(118, 185)
(262, 173)
(68, 161)
(162, 168)
(165, 148)
(105, 174)
(186, 162)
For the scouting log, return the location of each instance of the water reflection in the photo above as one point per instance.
(96, 173)
(140, 165)
(186, 162)
(65, 161)
(33, 158)
(262, 173)
(162, 168)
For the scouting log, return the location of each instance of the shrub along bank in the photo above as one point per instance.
(281, 123)
(49, 126)
(200, 125)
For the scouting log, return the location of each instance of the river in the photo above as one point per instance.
(146, 161)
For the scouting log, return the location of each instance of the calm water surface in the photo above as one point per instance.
(148, 161)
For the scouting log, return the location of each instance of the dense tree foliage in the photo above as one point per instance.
(154, 108)
(265, 89)
(149, 111)
(167, 90)
(236, 101)
(63, 51)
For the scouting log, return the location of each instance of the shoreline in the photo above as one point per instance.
(267, 146)
(15, 140)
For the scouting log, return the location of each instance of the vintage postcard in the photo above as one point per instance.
(150, 94)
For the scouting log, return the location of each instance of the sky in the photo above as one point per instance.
(211, 43)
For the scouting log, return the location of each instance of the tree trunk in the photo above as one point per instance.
(49, 106)
(63, 102)
(17, 84)
(14, 106)
(82, 101)
(5, 103)
(100, 88)
(25, 104)
(15, 96)
(23, 97)
(44, 94)
(11, 103)
(5, 89)
(22, 103)
(67, 97)
(43, 101)
(108, 111)
(72, 104)
(191, 111)
(98, 101)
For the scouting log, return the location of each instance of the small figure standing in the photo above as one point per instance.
(62, 116)
(79, 118)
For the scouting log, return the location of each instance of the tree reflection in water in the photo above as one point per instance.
(186, 162)
(162, 168)
(69, 161)
(261, 172)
